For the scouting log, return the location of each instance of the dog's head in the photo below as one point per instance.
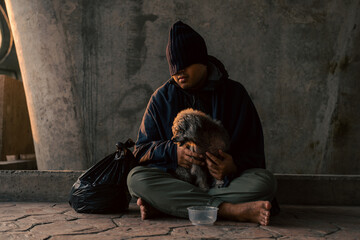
(200, 129)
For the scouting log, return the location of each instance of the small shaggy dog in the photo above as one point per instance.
(199, 133)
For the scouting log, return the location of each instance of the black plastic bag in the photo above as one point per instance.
(103, 188)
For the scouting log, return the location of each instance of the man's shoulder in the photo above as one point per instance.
(164, 87)
(164, 91)
(234, 86)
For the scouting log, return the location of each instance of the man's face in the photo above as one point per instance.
(192, 77)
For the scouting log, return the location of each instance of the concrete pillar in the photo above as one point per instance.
(80, 62)
(48, 74)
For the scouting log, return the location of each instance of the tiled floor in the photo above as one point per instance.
(60, 221)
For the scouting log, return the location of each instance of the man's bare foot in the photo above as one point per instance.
(257, 212)
(146, 210)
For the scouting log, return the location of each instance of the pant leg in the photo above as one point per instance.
(252, 185)
(167, 193)
(172, 196)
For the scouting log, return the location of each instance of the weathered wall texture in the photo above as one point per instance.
(89, 68)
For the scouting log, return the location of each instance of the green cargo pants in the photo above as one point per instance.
(172, 196)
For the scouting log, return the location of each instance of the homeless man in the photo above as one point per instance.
(200, 81)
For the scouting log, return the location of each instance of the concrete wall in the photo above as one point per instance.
(89, 68)
(303, 189)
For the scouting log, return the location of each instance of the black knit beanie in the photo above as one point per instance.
(185, 47)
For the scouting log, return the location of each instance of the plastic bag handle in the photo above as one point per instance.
(128, 144)
(121, 148)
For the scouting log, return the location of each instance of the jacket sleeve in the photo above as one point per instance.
(250, 150)
(154, 146)
(244, 126)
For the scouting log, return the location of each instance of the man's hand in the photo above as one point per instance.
(220, 168)
(187, 157)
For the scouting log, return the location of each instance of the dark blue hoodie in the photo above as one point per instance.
(221, 98)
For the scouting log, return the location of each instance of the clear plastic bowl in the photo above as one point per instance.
(202, 215)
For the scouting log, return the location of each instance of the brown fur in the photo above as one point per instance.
(200, 133)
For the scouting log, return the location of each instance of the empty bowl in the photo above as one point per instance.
(202, 215)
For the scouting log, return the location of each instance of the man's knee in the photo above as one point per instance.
(135, 177)
(141, 179)
(264, 182)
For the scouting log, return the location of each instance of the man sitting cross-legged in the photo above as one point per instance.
(200, 81)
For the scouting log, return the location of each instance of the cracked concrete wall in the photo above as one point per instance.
(89, 68)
